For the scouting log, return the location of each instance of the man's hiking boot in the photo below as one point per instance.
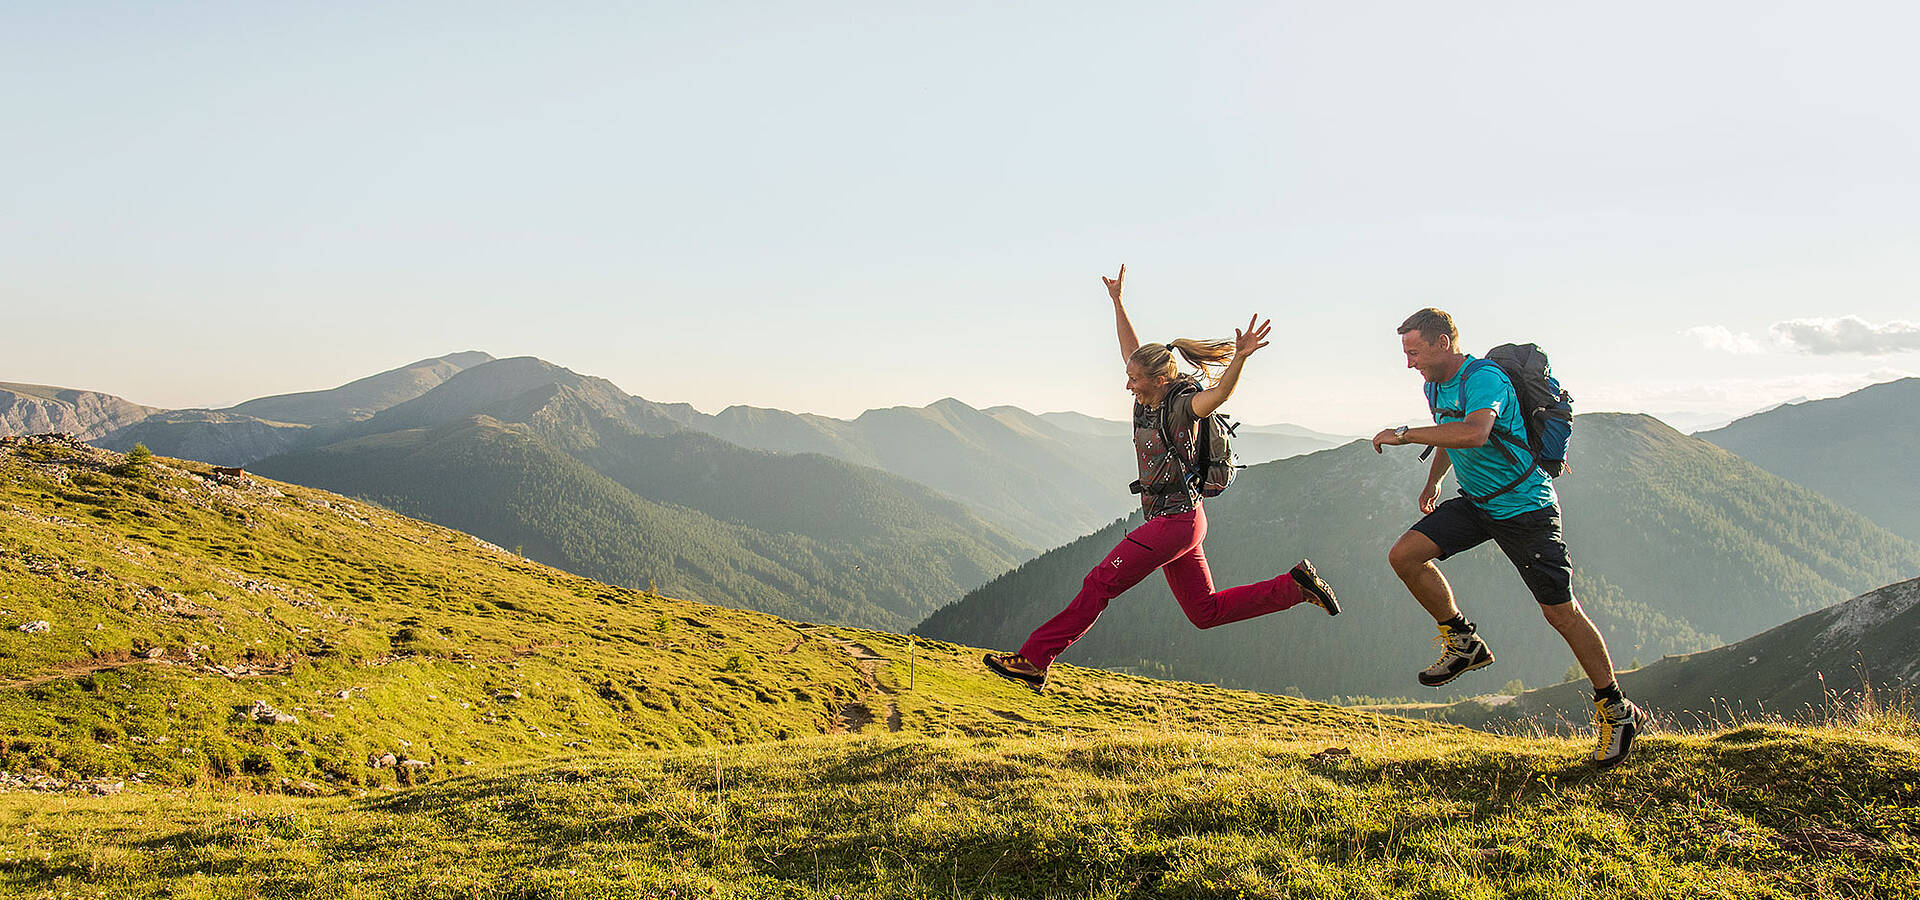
(1460, 652)
(1015, 667)
(1315, 588)
(1619, 722)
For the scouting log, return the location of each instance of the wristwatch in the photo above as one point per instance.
(1400, 431)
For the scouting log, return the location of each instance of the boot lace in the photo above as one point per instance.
(1605, 722)
(1451, 644)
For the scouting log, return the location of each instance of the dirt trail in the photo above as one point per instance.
(77, 668)
(856, 715)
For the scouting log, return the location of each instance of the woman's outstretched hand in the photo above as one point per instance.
(1114, 284)
(1255, 337)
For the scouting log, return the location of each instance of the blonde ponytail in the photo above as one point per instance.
(1210, 357)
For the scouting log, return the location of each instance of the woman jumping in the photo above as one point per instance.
(1175, 524)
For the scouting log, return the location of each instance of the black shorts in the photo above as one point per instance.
(1531, 540)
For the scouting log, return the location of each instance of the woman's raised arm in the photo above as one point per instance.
(1129, 342)
(1244, 343)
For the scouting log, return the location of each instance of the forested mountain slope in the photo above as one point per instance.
(587, 478)
(1858, 449)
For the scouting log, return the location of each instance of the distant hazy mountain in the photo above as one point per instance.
(590, 479)
(1255, 444)
(1677, 545)
(267, 426)
(1788, 670)
(39, 409)
(1042, 484)
(1081, 423)
(360, 399)
(1858, 449)
(523, 389)
(1696, 422)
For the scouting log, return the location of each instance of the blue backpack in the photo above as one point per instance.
(1545, 407)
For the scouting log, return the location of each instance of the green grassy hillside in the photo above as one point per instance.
(175, 600)
(469, 724)
(1678, 546)
(1755, 813)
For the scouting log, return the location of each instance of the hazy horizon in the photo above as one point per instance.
(1681, 421)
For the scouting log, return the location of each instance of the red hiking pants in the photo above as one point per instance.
(1173, 543)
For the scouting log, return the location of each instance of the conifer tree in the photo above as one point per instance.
(136, 462)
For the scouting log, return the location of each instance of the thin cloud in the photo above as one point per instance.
(1847, 334)
(1720, 337)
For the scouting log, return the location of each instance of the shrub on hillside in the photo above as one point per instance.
(136, 462)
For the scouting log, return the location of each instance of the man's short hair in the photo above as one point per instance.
(1432, 323)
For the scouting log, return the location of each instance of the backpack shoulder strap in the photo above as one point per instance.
(1508, 443)
(1467, 372)
(1178, 449)
(1460, 405)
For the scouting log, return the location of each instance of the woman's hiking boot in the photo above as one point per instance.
(1015, 667)
(1316, 589)
(1619, 722)
(1460, 652)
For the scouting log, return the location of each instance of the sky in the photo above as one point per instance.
(1698, 209)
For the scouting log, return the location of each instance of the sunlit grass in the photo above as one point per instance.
(576, 740)
(1752, 813)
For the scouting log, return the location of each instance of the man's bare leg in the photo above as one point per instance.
(1589, 649)
(1412, 559)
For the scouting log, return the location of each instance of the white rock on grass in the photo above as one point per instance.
(266, 715)
(37, 627)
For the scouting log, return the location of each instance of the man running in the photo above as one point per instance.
(1480, 434)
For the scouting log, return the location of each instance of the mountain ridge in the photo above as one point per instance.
(243, 434)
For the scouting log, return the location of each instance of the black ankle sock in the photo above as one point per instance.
(1459, 624)
(1610, 692)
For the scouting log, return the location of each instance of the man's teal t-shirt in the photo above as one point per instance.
(1483, 470)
